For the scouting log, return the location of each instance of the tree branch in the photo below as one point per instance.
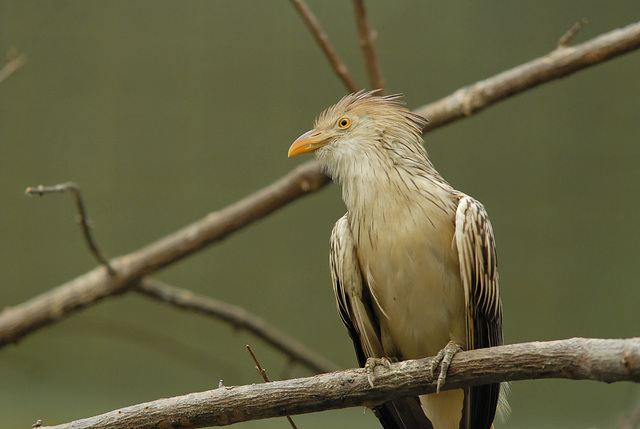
(14, 64)
(367, 39)
(561, 62)
(239, 318)
(576, 359)
(57, 303)
(321, 37)
(74, 189)
(51, 306)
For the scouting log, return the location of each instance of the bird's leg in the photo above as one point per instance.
(443, 360)
(371, 364)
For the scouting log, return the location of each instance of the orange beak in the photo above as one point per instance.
(308, 142)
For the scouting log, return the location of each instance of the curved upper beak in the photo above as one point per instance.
(308, 142)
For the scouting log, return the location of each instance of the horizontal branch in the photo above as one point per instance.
(239, 318)
(51, 306)
(576, 359)
(561, 62)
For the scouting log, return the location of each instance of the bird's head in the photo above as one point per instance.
(362, 125)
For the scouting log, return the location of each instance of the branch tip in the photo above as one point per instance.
(566, 38)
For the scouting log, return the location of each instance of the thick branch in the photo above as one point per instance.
(577, 359)
(561, 62)
(51, 306)
(239, 318)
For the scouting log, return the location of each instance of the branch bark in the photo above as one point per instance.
(53, 305)
(576, 359)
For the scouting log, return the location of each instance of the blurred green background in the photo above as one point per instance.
(164, 111)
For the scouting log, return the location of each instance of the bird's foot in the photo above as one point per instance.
(371, 364)
(443, 360)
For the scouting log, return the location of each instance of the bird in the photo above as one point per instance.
(413, 261)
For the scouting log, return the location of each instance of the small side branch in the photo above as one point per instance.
(14, 64)
(321, 37)
(567, 37)
(263, 374)
(575, 359)
(74, 190)
(367, 39)
(237, 317)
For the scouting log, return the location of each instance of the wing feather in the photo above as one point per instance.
(355, 306)
(479, 274)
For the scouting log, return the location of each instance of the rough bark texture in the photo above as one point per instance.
(577, 359)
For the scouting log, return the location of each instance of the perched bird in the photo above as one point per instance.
(413, 260)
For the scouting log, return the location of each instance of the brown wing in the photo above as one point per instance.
(479, 273)
(354, 303)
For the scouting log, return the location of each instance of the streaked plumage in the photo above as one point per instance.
(413, 260)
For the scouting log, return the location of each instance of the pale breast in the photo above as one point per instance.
(410, 264)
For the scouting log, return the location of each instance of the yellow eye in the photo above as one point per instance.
(344, 122)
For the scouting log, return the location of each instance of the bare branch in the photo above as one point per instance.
(576, 359)
(74, 189)
(367, 39)
(321, 37)
(51, 306)
(559, 63)
(239, 318)
(567, 37)
(14, 64)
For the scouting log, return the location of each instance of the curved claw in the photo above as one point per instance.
(443, 360)
(371, 364)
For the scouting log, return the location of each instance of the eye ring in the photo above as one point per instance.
(344, 123)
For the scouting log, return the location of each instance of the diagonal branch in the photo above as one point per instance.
(575, 359)
(561, 62)
(239, 318)
(367, 39)
(14, 64)
(53, 305)
(321, 37)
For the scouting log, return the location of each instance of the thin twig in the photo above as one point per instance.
(14, 64)
(321, 37)
(574, 359)
(263, 374)
(84, 222)
(237, 317)
(559, 63)
(567, 37)
(367, 39)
